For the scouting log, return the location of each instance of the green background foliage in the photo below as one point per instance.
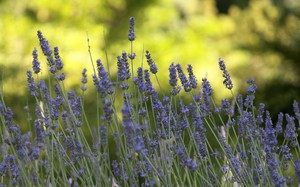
(256, 38)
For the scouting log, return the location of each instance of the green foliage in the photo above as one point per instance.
(258, 38)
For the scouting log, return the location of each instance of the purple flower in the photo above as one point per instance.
(151, 63)
(103, 135)
(84, 80)
(184, 110)
(184, 81)
(149, 88)
(104, 86)
(108, 111)
(139, 80)
(200, 140)
(240, 103)
(35, 153)
(192, 77)
(296, 109)
(44, 92)
(206, 88)
(115, 168)
(206, 93)
(76, 107)
(173, 80)
(287, 156)
(191, 164)
(35, 63)
(131, 32)
(297, 169)
(44, 44)
(270, 132)
(227, 81)
(123, 67)
(58, 62)
(261, 110)
(173, 75)
(290, 131)
(279, 123)
(226, 107)
(46, 50)
(39, 134)
(248, 103)
(60, 77)
(32, 87)
(9, 117)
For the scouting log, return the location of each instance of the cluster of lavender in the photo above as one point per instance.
(152, 139)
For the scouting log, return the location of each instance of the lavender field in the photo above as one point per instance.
(143, 135)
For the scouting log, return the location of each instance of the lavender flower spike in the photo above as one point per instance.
(35, 63)
(131, 32)
(32, 87)
(151, 63)
(227, 82)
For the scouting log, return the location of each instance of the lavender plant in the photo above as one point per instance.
(153, 139)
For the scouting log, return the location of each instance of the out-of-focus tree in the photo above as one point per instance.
(269, 31)
(255, 38)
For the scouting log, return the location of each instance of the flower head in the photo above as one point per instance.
(123, 67)
(184, 81)
(58, 62)
(35, 63)
(227, 81)
(151, 63)
(131, 32)
(192, 77)
(32, 87)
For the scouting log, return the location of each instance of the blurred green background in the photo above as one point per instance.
(256, 38)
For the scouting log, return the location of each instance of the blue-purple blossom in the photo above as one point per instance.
(297, 168)
(115, 168)
(200, 140)
(287, 156)
(35, 153)
(279, 123)
(103, 84)
(207, 91)
(84, 80)
(35, 63)
(184, 81)
(131, 32)
(58, 62)
(173, 75)
(60, 77)
(296, 109)
(149, 88)
(44, 92)
(227, 79)
(151, 63)
(290, 132)
(191, 164)
(9, 117)
(270, 133)
(76, 107)
(39, 134)
(108, 111)
(139, 80)
(103, 135)
(32, 87)
(123, 67)
(260, 113)
(226, 107)
(173, 80)
(44, 44)
(192, 77)
(248, 103)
